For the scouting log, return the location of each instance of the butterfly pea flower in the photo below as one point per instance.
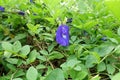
(69, 20)
(32, 1)
(2, 9)
(21, 13)
(85, 33)
(104, 38)
(62, 35)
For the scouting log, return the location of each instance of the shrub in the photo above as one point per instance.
(87, 47)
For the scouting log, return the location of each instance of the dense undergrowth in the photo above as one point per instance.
(29, 51)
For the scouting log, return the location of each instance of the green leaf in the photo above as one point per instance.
(79, 51)
(56, 74)
(54, 8)
(73, 74)
(73, 38)
(77, 68)
(24, 51)
(32, 73)
(51, 47)
(7, 46)
(103, 50)
(117, 49)
(114, 6)
(71, 63)
(108, 33)
(43, 58)
(33, 28)
(12, 60)
(90, 24)
(48, 36)
(7, 54)
(19, 37)
(81, 75)
(32, 56)
(19, 73)
(101, 67)
(116, 76)
(40, 66)
(17, 46)
(55, 55)
(118, 31)
(90, 61)
(11, 67)
(110, 69)
(113, 40)
(17, 79)
(97, 56)
(44, 52)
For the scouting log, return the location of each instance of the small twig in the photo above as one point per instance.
(113, 64)
(37, 43)
(51, 64)
(45, 56)
(12, 76)
(63, 52)
(39, 46)
(103, 59)
(106, 56)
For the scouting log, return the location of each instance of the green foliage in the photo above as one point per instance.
(56, 74)
(28, 49)
(116, 76)
(101, 67)
(114, 6)
(31, 73)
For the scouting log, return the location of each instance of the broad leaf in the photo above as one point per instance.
(32, 73)
(103, 50)
(17, 79)
(116, 76)
(55, 55)
(56, 74)
(114, 6)
(101, 67)
(7, 46)
(32, 56)
(17, 46)
(110, 69)
(24, 51)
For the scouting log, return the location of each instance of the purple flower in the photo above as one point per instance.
(2, 8)
(31, 1)
(21, 13)
(104, 38)
(69, 20)
(62, 35)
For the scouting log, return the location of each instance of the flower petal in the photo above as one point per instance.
(21, 13)
(2, 8)
(62, 35)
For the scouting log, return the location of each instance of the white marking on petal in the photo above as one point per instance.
(64, 36)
